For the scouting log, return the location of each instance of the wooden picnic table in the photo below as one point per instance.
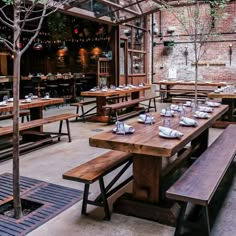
(203, 86)
(35, 106)
(227, 98)
(148, 150)
(101, 98)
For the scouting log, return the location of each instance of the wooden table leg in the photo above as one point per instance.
(146, 172)
(202, 141)
(145, 202)
(101, 114)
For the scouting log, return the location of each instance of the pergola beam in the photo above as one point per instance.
(119, 7)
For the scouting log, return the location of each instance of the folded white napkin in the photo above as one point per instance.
(218, 90)
(168, 132)
(3, 103)
(200, 114)
(167, 112)
(188, 121)
(205, 109)
(146, 118)
(213, 104)
(175, 107)
(127, 129)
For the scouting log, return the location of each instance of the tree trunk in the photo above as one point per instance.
(16, 89)
(196, 51)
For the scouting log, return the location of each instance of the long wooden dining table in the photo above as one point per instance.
(149, 150)
(202, 86)
(102, 95)
(227, 98)
(35, 106)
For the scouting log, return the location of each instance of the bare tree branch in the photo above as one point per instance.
(36, 33)
(7, 21)
(7, 43)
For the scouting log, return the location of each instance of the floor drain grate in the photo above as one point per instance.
(97, 130)
(54, 199)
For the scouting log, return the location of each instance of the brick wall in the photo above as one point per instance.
(216, 59)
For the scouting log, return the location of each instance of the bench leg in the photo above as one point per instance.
(154, 104)
(180, 219)
(85, 199)
(114, 180)
(110, 116)
(83, 115)
(60, 128)
(68, 130)
(77, 112)
(207, 221)
(104, 198)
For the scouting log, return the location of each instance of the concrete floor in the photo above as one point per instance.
(48, 164)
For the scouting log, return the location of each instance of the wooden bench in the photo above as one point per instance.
(113, 109)
(81, 105)
(200, 182)
(23, 114)
(96, 169)
(183, 93)
(40, 122)
(117, 98)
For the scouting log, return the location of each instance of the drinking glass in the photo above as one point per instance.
(120, 127)
(30, 96)
(148, 119)
(166, 121)
(5, 99)
(47, 95)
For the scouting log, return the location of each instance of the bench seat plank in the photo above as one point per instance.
(199, 183)
(36, 123)
(125, 104)
(95, 168)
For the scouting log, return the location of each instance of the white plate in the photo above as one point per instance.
(149, 122)
(3, 105)
(46, 98)
(130, 132)
(26, 101)
(187, 105)
(213, 104)
(201, 117)
(166, 136)
(188, 125)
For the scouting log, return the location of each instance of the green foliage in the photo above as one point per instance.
(8, 2)
(58, 26)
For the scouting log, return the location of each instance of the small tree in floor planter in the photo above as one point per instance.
(198, 19)
(21, 17)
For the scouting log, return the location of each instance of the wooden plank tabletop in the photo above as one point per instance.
(222, 95)
(39, 102)
(146, 140)
(111, 92)
(199, 83)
